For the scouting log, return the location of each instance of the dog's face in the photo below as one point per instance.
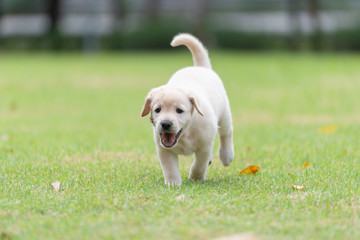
(171, 111)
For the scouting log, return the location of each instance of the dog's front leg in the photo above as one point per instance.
(200, 165)
(170, 167)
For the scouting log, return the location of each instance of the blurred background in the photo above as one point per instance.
(104, 25)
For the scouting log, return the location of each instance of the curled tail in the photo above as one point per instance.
(198, 51)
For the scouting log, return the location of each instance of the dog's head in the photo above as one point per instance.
(171, 111)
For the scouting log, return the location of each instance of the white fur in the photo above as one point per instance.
(200, 93)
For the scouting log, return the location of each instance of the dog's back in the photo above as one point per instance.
(200, 78)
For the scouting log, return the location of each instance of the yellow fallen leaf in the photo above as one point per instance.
(296, 187)
(328, 129)
(56, 186)
(249, 170)
(306, 164)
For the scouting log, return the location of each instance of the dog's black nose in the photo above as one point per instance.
(166, 124)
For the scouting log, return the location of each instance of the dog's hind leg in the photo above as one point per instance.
(226, 148)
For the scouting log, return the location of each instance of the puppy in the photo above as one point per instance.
(186, 114)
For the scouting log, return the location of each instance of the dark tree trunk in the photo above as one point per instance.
(317, 39)
(53, 12)
(1, 13)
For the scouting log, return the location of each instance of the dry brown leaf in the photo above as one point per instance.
(297, 187)
(180, 197)
(328, 129)
(249, 170)
(4, 236)
(306, 164)
(56, 186)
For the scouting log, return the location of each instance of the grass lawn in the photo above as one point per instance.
(76, 119)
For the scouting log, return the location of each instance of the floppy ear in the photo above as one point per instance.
(148, 100)
(146, 108)
(196, 105)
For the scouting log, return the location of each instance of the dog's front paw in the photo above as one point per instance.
(197, 177)
(173, 182)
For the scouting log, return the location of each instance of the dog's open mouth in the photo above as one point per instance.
(169, 139)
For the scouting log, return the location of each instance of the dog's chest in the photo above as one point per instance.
(185, 146)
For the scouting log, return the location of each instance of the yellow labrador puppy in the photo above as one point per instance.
(186, 114)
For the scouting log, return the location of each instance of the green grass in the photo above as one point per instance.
(75, 119)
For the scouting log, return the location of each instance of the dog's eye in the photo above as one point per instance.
(178, 110)
(157, 110)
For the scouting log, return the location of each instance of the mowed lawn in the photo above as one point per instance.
(76, 119)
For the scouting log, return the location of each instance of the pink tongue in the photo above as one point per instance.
(168, 139)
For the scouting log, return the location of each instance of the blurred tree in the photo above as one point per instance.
(1, 12)
(295, 32)
(53, 12)
(119, 9)
(1, 9)
(201, 13)
(152, 9)
(317, 39)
